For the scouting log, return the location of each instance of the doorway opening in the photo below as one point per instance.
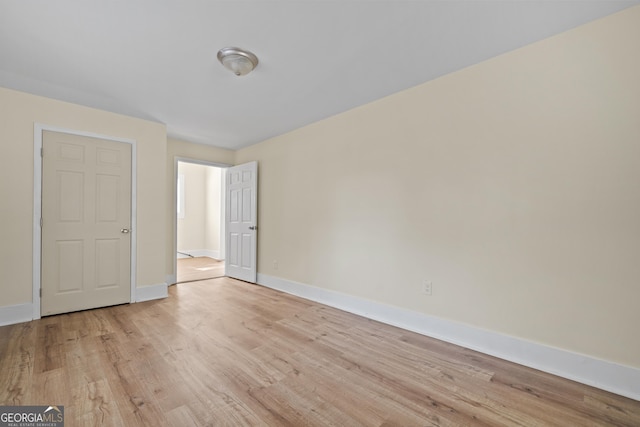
(200, 222)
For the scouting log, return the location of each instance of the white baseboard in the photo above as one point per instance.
(211, 254)
(200, 252)
(619, 379)
(148, 293)
(18, 313)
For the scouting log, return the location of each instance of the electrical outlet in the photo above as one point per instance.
(427, 287)
(275, 264)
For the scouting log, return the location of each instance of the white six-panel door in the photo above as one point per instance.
(241, 221)
(86, 213)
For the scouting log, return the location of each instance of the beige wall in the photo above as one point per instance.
(513, 185)
(177, 149)
(191, 228)
(18, 113)
(213, 215)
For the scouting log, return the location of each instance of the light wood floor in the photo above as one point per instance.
(198, 268)
(224, 352)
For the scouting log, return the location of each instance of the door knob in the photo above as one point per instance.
(124, 230)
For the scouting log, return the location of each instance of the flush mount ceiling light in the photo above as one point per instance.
(239, 61)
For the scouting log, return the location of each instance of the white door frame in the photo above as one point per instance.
(174, 204)
(38, 128)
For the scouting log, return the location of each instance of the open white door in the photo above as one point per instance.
(241, 220)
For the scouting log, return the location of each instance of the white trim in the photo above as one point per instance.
(223, 219)
(174, 204)
(619, 379)
(38, 128)
(12, 314)
(198, 253)
(208, 253)
(180, 205)
(37, 215)
(170, 279)
(134, 217)
(148, 293)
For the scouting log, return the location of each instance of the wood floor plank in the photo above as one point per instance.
(198, 268)
(18, 353)
(96, 404)
(225, 352)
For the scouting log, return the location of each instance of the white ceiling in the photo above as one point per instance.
(156, 59)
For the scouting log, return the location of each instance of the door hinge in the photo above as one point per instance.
(40, 292)
(41, 151)
(41, 222)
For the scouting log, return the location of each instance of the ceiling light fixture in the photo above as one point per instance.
(239, 61)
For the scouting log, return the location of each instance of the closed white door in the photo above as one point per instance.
(241, 222)
(86, 217)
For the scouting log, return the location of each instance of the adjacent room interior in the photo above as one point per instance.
(200, 222)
